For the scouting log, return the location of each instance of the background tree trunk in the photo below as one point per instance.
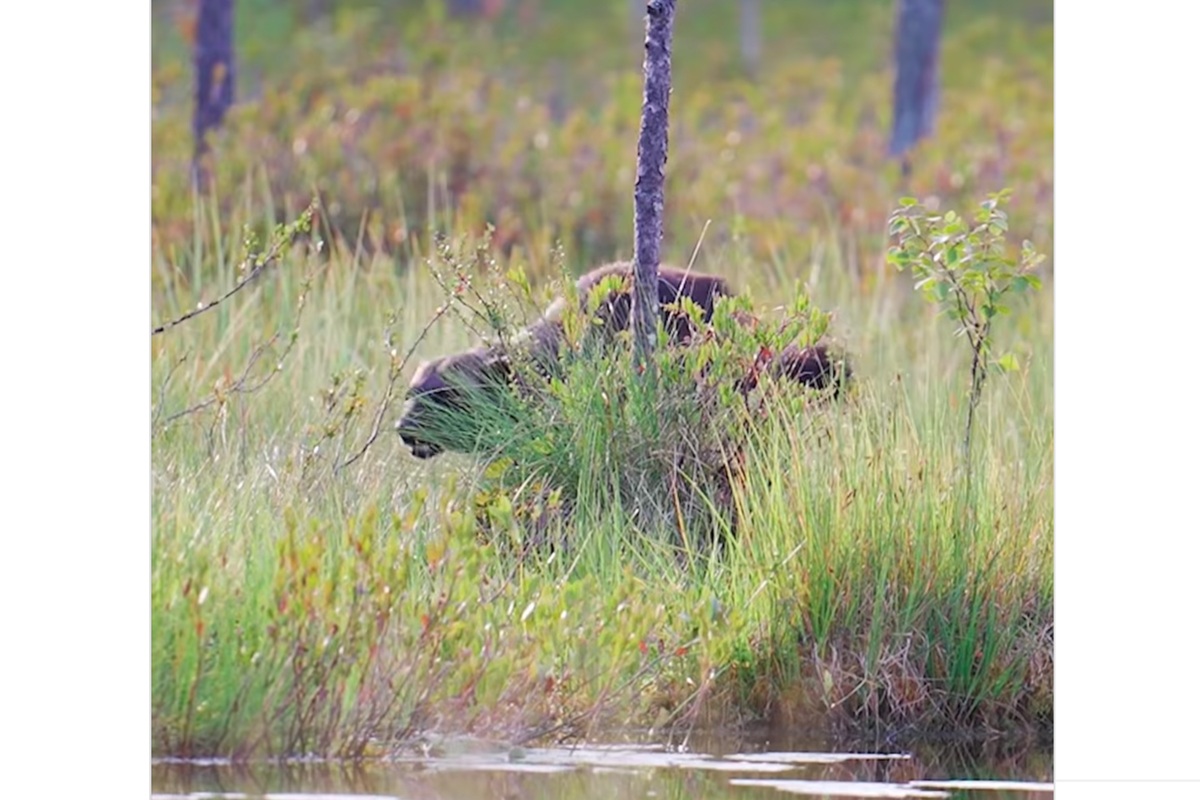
(214, 78)
(915, 96)
(750, 34)
(463, 8)
(487, 9)
(648, 200)
(317, 10)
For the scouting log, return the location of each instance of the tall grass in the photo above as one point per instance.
(902, 589)
(301, 609)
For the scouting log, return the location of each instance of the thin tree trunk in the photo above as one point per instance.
(750, 34)
(648, 200)
(915, 93)
(317, 10)
(484, 9)
(464, 8)
(214, 78)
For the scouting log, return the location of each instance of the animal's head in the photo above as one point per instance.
(814, 366)
(449, 398)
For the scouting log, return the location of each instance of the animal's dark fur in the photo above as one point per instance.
(673, 284)
(813, 366)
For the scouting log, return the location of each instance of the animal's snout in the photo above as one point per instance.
(409, 429)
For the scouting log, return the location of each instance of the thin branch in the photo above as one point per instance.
(261, 262)
(237, 387)
(254, 273)
(162, 391)
(455, 293)
(243, 385)
(396, 369)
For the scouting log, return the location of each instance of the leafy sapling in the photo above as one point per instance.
(965, 268)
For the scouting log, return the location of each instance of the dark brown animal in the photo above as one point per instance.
(451, 383)
(813, 366)
(456, 383)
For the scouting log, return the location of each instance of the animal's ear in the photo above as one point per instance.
(554, 312)
(422, 377)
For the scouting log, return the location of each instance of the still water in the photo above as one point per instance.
(731, 768)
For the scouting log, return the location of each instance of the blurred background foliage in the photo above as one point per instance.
(407, 118)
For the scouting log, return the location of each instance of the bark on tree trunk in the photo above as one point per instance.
(750, 34)
(214, 77)
(915, 94)
(648, 201)
(464, 8)
(317, 10)
(485, 9)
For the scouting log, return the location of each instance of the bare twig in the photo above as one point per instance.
(243, 384)
(162, 391)
(237, 387)
(260, 261)
(394, 372)
(462, 286)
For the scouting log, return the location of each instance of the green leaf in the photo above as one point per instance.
(1008, 362)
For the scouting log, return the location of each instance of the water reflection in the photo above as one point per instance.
(756, 765)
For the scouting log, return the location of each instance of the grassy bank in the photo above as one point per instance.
(299, 608)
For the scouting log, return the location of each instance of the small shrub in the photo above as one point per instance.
(967, 271)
